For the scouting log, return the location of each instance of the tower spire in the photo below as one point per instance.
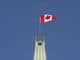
(40, 52)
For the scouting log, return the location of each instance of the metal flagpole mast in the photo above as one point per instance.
(39, 49)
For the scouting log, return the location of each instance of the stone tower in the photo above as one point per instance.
(39, 51)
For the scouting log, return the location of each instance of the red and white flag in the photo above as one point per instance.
(46, 18)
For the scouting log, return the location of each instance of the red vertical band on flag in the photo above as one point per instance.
(53, 18)
(42, 19)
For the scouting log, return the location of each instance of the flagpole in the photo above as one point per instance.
(40, 32)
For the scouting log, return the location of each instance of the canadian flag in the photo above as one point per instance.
(46, 18)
